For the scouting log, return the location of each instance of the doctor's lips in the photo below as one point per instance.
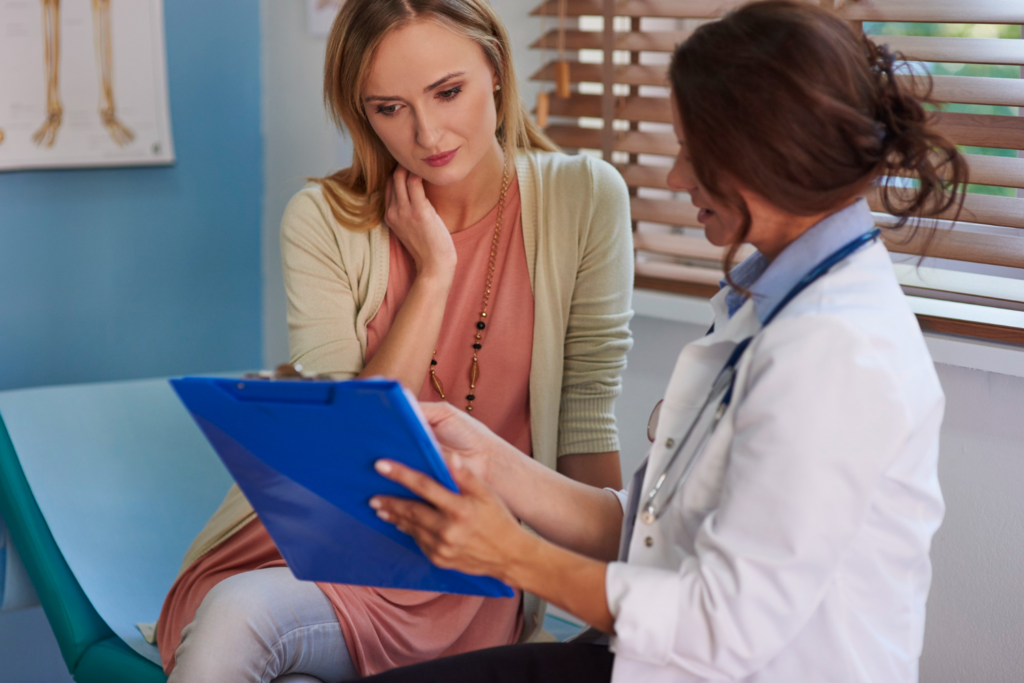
(442, 158)
(704, 214)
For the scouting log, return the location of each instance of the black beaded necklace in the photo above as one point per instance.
(481, 325)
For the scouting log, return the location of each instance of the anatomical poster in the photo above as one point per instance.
(83, 83)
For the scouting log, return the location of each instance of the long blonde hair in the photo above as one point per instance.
(356, 194)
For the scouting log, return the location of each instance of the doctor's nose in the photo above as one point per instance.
(681, 179)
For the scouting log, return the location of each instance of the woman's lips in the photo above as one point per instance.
(704, 215)
(442, 158)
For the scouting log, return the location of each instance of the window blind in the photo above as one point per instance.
(972, 281)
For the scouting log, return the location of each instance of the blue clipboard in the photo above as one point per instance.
(303, 453)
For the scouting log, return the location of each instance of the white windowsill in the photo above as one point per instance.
(949, 350)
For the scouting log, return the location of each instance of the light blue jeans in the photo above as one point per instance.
(263, 626)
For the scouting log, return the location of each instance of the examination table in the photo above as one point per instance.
(102, 489)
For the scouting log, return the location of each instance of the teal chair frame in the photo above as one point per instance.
(91, 651)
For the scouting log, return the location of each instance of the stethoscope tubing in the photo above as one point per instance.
(650, 512)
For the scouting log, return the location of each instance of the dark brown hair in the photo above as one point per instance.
(786, 100)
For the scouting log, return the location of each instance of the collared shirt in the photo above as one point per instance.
(797, 548)
(770, 281)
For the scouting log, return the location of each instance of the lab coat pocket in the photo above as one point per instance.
(697, 367)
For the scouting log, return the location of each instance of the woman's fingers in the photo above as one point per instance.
(438, 412)
(419, 483)
(401, 188)
(417, 195)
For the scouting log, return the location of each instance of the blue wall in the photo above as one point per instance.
(124, 273)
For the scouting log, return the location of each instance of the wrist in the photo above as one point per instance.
(435, 277)
(525, 552)
(502, 469)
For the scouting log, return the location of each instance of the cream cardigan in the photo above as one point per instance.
(576, 229)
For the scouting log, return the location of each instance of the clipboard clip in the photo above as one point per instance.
(288, 372)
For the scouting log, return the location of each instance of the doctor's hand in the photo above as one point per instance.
(471, 531)
(411, 216)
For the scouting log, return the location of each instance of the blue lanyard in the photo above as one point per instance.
(726, 380)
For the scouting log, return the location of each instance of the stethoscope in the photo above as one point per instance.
(719, 398)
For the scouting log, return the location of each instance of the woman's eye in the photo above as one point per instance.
(450, 94)
(387, 109)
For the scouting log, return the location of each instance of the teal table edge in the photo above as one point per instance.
(90, 649)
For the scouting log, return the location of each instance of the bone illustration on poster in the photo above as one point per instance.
(104, 56)
(46, 136)
(47, 133)
(83, 84)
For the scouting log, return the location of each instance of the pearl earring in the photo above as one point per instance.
(497, 87)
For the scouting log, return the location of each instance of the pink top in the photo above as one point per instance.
(387, 628)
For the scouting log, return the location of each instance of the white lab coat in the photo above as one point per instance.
(797, 550)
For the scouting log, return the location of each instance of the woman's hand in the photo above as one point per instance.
(412, 217)
(471, 531)
(481, 451)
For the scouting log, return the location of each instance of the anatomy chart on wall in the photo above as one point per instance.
(83, 83)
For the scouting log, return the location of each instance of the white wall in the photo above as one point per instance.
(300, 142)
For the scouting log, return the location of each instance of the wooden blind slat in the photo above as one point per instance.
(650, 41)
(998, 171)
(633, 142)
(1004, 51)
(1001, 289)
(1001, 51)
(691, 9)
(684, 246)
(953, 317)
(980, 130)
(653, 109)
(574, 137)
(1008, 92)
(978, 208)
(939, 11)
(957, 245)
(1005, 132)
(998, 289)
(985, 170)
(629, 74)
(678, 271)
(942, 241)
(636, 175)
(664, 211)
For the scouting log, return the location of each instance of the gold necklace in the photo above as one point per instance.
(481, 325)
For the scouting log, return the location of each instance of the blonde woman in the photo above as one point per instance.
(462, 255)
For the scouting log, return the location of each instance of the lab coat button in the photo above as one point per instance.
(669, 443)
(648, 541)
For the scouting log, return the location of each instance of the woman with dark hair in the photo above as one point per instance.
(780, 527)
